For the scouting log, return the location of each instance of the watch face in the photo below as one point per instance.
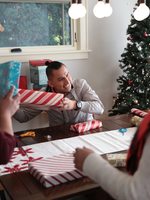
(79, 105)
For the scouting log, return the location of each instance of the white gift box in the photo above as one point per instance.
(55, 170)
(40, 99)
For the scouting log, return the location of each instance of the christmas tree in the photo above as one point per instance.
(134, 83)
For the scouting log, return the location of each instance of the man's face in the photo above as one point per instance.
(60, 80)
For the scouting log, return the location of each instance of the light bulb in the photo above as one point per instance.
(73, 11)
(81, 10)
(142, 12)
(108, 10)
(99, 9)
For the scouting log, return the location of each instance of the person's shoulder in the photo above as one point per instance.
(77, 82)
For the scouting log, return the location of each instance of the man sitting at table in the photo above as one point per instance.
(79, 104)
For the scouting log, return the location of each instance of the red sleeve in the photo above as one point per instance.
(7, 144)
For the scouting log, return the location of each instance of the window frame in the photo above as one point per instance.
(79, 49)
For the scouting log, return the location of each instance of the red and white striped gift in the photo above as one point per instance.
(55, 170)
(40, 99)
(138, 112)
(86, 126)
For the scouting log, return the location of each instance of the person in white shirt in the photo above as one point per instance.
(133, 185)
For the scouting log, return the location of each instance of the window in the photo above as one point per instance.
(35, 24)
(40, 29)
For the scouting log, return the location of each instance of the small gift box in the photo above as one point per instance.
(38, 75)
(55, 170)
(40, 99)
(136, 120)
(38, 71)
(117, 159)
(9, 76)
(86, 126)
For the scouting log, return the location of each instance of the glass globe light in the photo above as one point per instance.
(142, 12)
(108, 10)
(73, 11)
(99, 9)
(81, 10)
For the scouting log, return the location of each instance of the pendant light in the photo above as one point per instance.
(73, 10)
(81, 9)
(142, 12)
(108, 9)
(99, 9)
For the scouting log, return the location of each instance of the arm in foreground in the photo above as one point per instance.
(8, 106)
(119, 185)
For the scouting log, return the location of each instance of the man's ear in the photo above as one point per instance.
(50, 83)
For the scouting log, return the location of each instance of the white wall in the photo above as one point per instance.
(107, 39)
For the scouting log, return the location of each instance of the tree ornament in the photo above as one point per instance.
(136, 101)
(145, 34)
(130, 82)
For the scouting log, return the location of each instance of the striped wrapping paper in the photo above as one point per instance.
(55, 170)
(138, 112)
(40, 99)
(86, 126)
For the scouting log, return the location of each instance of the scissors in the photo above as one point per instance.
(28, 134)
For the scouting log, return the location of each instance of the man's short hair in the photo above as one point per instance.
(54, 65)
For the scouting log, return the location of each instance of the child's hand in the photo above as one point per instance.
(80, 155)
(9, 104)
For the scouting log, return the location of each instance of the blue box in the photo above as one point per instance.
(9, 76)
(38, 75)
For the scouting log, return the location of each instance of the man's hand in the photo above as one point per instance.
(68, 104)
(80, 156)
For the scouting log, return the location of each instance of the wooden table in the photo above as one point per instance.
(22, 185)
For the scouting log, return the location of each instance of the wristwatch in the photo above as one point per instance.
(78, 105)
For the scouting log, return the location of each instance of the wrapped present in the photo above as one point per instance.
(138, 112)
(9, 75)
(40, 99)
(38, 75)
(55, 170)
(23, 82)
(117, 159)
(36, 63)
(136, 120)
(86, 126)
(38, 71)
